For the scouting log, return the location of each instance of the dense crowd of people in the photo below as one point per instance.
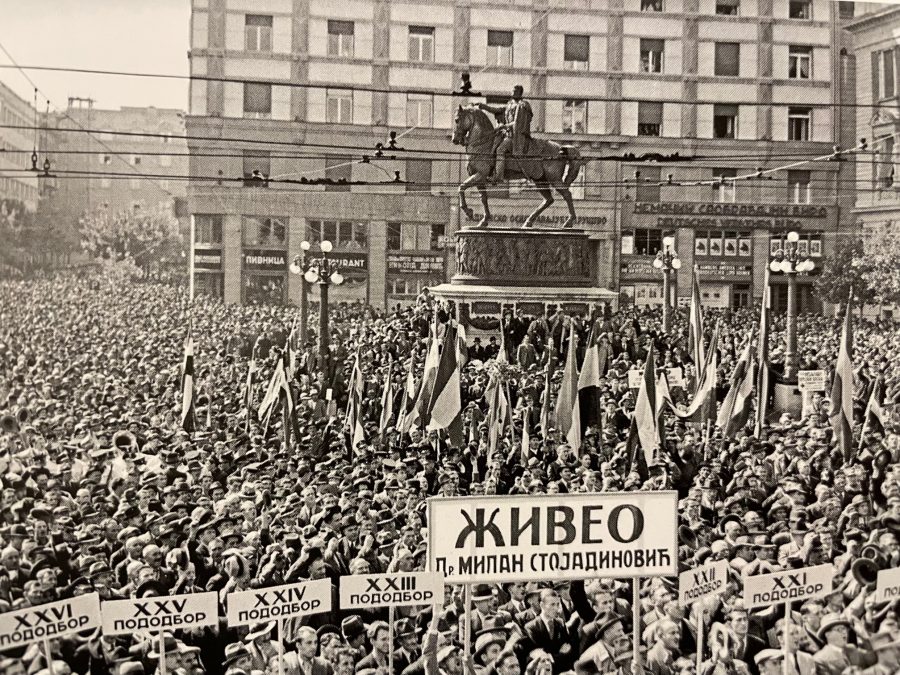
(103, 491)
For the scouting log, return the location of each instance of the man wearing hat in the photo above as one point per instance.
(408, 651)
(886, 646)
(770, 661)
(837, 654)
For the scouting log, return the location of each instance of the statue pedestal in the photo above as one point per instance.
(533, 270)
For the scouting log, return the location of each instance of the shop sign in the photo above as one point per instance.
(519, 218)
(208, 259)
(673, 215)
(265, 260)
(639, 267)
(415, 263)
(725, 270)
(351, 264)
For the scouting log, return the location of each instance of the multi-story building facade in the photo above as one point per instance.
(16, 148)
(305, 88)
(877, 50)
(121, 159)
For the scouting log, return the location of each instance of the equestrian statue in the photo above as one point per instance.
(508, 152)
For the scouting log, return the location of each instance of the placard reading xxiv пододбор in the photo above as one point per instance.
(488, 539)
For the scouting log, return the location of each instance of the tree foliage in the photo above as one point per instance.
(143, 235)
(845, 269)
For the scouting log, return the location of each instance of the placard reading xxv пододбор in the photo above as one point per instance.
(561, 536)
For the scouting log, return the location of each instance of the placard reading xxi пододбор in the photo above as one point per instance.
(561, 536)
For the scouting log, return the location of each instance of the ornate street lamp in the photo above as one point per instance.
(790, 262)
(318, 270)
(667, 260)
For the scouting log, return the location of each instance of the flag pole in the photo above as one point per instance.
(191, 261)
(391, 640)
(636, 622)
(162, 653)
(700, 627)
(280, 646)
(49, 657)
(467, 633)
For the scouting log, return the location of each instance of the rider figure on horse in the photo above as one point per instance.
(515, 132)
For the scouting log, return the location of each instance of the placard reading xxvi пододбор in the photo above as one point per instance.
(561, 536)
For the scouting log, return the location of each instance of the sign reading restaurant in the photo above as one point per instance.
(691, 214)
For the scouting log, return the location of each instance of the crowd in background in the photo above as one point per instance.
(103, 491)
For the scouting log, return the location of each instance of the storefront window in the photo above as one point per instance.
(265, 232)
(210, 285)
(343, 234)
(207, 229)
(262, 289)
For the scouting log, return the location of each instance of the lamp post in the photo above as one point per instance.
(323, 271)
(666, 261)
(298, 266)
(789, 261)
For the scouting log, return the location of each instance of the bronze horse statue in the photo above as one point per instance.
(546, 164)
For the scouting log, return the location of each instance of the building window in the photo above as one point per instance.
(105, 182)
(136, 160)
(438, 231)
(500, 48)
(798, 187)
(800, 9)
(418, 175)
(421, 44)
(647, 189)
(799, 62)
(257, 168)
(799, 122)
(647, 241)
(338, 170)
(574, 117)
(207, 229)
(883, 74)
(258, 33)
(651, 5)
(165, 160)
(652, 55)
(338, 106)
(883, 158)
(342, 233)
(266, 232)
(340, 38)
(257, 100)
(394, 236)
(728, 59)
(724, 190)
(419, 110)
(576, 52)
(650, 116)
(725, 121)
(727, 7)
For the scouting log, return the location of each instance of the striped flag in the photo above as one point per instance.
(497, 412)
(188, 421)
(704, 398)
(526, 435)
(387, 400)
(462, 345)
(735, 410)
(590, 367)
(446, 398)
(875, 414)
(354, 405)
(841, 416)
(646, 411)
(408, 399)
(568, 410)
(273, 393)
(695, 329)
(545, 404)
(426, 386)
(501, 355)
(248, 392)
(762, 358)
(289, 422)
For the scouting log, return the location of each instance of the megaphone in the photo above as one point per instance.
(687, 536)
(23, 415)
(9, 424)
(124, 440)
(865, 569)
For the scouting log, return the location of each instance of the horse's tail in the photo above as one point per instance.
(574, 162)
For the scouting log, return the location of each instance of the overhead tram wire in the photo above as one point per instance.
(404, 90)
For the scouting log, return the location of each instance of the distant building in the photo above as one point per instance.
(140, 171)
(876, 44)
(731, 84)
(16, 147)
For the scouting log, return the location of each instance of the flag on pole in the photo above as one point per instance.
(501, 355)
(545, 403)
(568, 410)
(248, 392)
(645, 419)
(497, 406)
(354, 405)
(735, 410)
(705, 397)
(875, 414)
(208, 408)
(446, 399)
(387, 400)
(462, 345)
(590, 367)
(188, 421)
(695, 329)
(841, 416)
(408, 399)
(526, 435)
(273, 392)
(289, 422)
(426, 386)
(762, 358)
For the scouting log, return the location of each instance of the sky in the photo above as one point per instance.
(125, 35)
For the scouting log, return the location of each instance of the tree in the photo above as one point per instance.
(848, 267)
(882, 255)
(144, 235)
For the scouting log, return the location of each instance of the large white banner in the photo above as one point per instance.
(804, 583)
(52, 620)
(561, 536)
(399, 589)
(279, 602)
(166, 612)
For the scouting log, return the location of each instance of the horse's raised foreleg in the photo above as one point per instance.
(567, 196)
(484, 203)
(474, 179)
(543, 188)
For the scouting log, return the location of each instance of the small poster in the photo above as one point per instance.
(815, 248)
(774, 245)
(803, 247)
(700, 246)
(730, 246)
(744, 247)
(715, 245)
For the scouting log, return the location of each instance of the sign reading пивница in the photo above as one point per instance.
(560, 536)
